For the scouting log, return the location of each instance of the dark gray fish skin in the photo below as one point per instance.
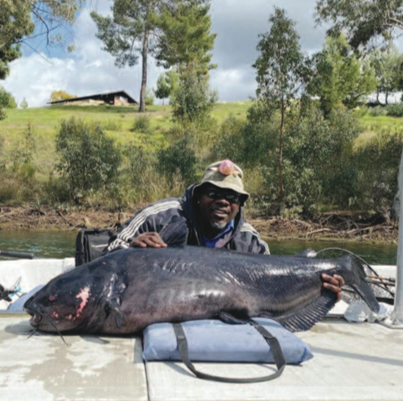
(129, 289)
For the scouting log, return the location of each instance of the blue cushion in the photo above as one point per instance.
(215, 341)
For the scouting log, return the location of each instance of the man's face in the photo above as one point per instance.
(218, 206)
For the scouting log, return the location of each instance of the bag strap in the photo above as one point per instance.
(269, 338)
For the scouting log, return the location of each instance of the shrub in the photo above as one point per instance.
(22, 154)
(361, 111)
(179, 158)
(149, 97)
(395, 110)
(249, 144)
(7, 100)
(60, 95)
(139, 162)
(378, 162)
(377, 111)
(88, 159)
(141, 124)
(111, 125)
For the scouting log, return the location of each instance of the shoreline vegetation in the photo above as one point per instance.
(51, 177)
(329, 227)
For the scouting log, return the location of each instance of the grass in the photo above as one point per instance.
(381, 121)
(46, 122)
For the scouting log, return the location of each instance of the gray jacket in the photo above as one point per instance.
(155, 217)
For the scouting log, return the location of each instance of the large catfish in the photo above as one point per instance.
(130, 289)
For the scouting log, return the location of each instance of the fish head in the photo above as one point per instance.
(65, 305)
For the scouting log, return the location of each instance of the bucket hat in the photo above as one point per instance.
(225, 174)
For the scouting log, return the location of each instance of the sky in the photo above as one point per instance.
(90, 70)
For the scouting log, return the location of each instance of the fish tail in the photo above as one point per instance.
(359, 284)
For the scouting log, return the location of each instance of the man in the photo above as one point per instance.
(212, 211)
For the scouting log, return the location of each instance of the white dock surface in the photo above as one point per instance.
(43, 368)
(352, 362)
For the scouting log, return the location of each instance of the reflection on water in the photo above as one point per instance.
(373, 254)
(62, 245)
(41, 244)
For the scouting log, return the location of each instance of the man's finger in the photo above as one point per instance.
(138, 244)
(341, 281)
(152, 243)
(331, 280)
(334, 288)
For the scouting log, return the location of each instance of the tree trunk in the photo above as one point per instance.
(280, 183)
(387, 98)
(377, 95)
(145, 52)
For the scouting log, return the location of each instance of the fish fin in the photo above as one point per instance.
(266, 315)
(229, 319)
(358, 283)
(306, 317)
(112, 306)
(175, 232)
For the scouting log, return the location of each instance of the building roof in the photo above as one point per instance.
(107, 97)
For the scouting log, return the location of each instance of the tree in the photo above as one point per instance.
(362, 20)
(163, 89)
(15, 23)
(24, 103)
(167, 84)
(186, 37)
(135, 29)
(279, 72)
(193, 100)
(129, 32)
(388, 68)
(60, 95)
(340, 77)
(22, 20)
(7, 100)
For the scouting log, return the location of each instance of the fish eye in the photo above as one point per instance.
(52, 298)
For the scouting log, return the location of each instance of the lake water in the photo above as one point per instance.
(62, 245)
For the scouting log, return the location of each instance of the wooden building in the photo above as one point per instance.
(111, 98)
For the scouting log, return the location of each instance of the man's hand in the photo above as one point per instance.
(148, 240)
(333, 284)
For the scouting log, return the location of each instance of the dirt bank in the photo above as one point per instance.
(330, 227)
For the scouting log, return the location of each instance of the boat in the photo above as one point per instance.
(352, 361)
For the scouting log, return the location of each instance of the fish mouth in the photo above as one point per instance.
(36, 314)
(35, 320)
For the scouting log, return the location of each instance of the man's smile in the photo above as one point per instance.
(220, 213)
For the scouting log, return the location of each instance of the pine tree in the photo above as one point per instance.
(186, 37)
(129, 33)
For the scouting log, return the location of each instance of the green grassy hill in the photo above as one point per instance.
(117, 120)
